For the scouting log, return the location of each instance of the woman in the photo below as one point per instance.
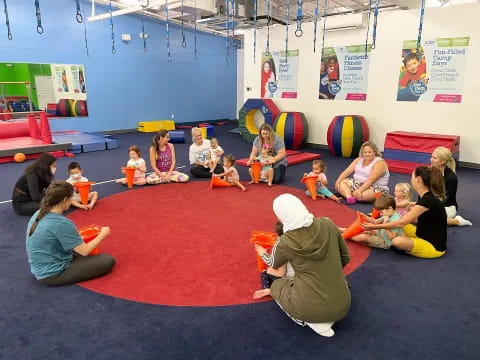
(199, 155)
(56, 252)
(162, 161)
(443, 160)
(318, 295)
(268, 139)
(30, 187)
(370, 176)
(429, 238)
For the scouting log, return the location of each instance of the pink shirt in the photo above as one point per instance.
(363, 172)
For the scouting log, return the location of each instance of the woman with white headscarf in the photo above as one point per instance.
(318, 295)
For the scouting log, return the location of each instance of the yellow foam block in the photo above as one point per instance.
(204, 132)
(153, 126)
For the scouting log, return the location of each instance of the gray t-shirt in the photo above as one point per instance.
(278, 145)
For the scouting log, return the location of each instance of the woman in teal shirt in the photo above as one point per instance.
(56, 252)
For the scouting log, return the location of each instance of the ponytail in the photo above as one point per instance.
(433, 179)
(160, 134)
(55, 194)
(445, 154)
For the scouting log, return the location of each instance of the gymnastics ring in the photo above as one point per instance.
(10, 37)
(40, 29)
(79, 18)
(298, 32)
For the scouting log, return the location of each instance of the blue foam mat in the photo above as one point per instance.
(85, 142)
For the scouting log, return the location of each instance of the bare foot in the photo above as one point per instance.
(244, 188)
(270, 184)
(89, 206)
(261, 293)
(251, 182)
(338, 200)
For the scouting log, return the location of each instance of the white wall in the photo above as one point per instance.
(382, 111)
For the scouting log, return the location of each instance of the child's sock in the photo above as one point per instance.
(323, 329)
(462, 221)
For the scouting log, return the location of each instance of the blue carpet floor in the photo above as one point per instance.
(402, 307)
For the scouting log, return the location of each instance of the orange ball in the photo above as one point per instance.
(19, 157)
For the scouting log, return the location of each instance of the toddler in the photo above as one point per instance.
(230, 174)
(216, 153)
(318, 170)
(403, 197)
(270, 275)
(381, 238)
(266, 159)
(138, 163)
(75, 172)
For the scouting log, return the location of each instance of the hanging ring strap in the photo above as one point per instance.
(79, 13)
(299, 31)
(375, 20)
(39, 17)
(195, 37)
(286, 31)
(267, 50)
(233, 18)
(85, 35)
(184, 42)
(169, 55)
(7, 20)
(143, 34)
(324, 26)
(254, 30)
(114, 51)
(315, 26)
(227, 52)
(420, 26)
(368, 26)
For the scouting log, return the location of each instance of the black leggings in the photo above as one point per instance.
(25, 208)
(279, 174)
(80, 269)
(203, 172)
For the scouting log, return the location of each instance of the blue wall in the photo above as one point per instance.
(131, 85)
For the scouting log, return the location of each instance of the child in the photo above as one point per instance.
(216, 153)
(382, 238)
(230, 174)
(138, 163)
(75, 172)
(403, 197)
(318, 169)
(270, 275)
(415, 70)
(266, 173)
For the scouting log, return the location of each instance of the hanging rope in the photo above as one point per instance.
(315, 26)
(227, 52)
(368, 26)
(85, 34)
(286, 33)
(254, 30)
(299, 31)
(143, 34)
(111, 28)
(195, 37)
(7, 20)
(375, 20)
(79, 13)
(420, 26)
(39, 17)
(184, 42)
(169, 55)
(324, 26)
(233, 18)
(267, 50)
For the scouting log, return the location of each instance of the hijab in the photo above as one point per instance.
(293, 214)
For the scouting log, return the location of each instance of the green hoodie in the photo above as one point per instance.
(319, 292)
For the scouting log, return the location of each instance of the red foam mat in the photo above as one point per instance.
(293, 157)
(420, 142)
(6, 159)
(404, 167)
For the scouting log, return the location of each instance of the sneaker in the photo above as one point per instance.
(351, 200)
(322, 329)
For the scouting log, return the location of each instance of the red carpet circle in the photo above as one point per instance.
(188, 245)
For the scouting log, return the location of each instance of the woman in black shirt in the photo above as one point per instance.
(31, 186)
(443, 160)
(429, 238)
